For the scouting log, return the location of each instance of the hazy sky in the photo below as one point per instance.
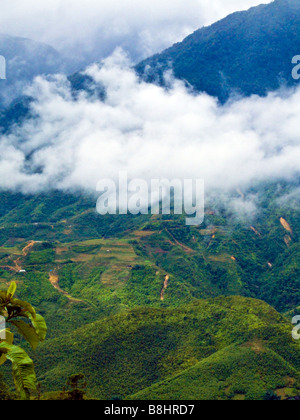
(96, 27)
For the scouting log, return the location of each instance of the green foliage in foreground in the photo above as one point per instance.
(11, 310)
(242, 347)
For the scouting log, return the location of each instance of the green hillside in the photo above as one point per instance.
(239, 346)
(235, 373)
(122, 261)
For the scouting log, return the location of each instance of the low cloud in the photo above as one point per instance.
(151, 133)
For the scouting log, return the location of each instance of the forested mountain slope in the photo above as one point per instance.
(246, 53)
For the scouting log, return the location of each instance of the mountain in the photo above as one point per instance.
(25, 59)
(246, 53)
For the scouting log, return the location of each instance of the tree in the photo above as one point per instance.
(77, 383)
(32, 326)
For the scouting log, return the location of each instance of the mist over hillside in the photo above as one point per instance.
(25, 59)
(86, 32)
(69, 143)
(91, 32)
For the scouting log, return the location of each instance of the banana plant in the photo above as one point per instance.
(23, 318)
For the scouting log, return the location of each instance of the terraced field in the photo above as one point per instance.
(80, 272)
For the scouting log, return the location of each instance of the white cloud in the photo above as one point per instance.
(150, 132)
